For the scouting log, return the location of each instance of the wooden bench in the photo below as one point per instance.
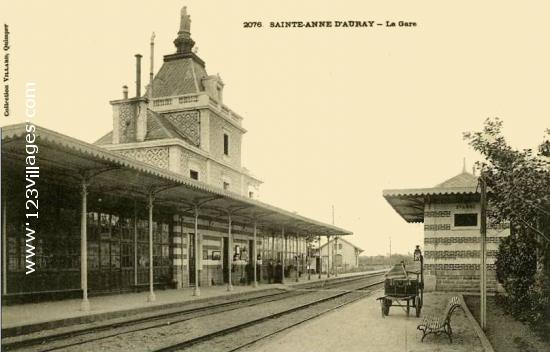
(440, 325)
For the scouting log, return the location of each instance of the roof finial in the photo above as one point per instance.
(183, 42)
(463, 165)
(185, 22)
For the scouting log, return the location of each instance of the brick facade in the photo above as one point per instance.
(452, 251)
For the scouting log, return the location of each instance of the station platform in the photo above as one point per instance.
(366, 330)
(31, 317)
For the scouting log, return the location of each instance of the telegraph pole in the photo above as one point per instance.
(483, 239)
(334, 264)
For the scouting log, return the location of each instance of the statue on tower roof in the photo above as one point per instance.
(185, 22)
(183, 42)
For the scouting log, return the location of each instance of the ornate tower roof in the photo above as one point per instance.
(182, 72)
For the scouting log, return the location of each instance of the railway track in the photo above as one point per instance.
(260, 329)
(80, 337)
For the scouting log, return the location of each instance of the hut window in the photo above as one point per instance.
(469, 219)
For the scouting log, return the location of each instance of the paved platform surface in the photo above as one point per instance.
(35, 313)
(360, 327)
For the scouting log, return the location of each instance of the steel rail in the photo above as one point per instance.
(250, 343)
(187, 314)
(186, 344)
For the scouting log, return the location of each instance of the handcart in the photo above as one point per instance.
(403, 288)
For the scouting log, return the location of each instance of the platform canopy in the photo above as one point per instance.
(410, 202)
(66, 160)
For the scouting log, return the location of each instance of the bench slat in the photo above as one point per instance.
(437, 325)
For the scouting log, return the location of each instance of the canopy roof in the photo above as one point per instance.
(67, 159)
(410, 202)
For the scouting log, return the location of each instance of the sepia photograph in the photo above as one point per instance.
(265, 176)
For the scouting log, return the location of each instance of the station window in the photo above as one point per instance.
(250, 194)
(226, 144)
(194, 174)
(226, 186)
(469, 219)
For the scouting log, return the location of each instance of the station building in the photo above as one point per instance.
(162, 200)
(339, 254)
(450, 212)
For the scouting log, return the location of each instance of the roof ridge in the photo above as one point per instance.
(463, 179)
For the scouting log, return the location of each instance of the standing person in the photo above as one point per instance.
(278, 272)
(270, 269)
(249, 273)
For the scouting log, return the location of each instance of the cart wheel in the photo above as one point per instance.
(385, 305)
(418, 305)
(383, 309)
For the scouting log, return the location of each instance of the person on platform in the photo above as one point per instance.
(279, 272)
(270, 269)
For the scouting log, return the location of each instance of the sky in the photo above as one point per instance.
(334, 115)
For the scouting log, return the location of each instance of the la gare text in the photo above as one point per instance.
(329, 24)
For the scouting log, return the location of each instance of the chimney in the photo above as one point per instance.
(138, 75)
(130, 114)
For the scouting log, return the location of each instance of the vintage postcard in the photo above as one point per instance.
(275, 176)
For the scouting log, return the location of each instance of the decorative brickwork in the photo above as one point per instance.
(450, 240)
(437, 214)
(154, 156)
(437, 227)
(187, 123)
(456, 254)
(127, 123)
(457, 267)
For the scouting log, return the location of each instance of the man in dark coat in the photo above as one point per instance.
(270, 269)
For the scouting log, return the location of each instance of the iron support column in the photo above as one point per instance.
(197, 290)
(254, 253)
(152, 297)
(229, 253)
(320, 258)
(283, 245)
(334, 264)
(297, 263)
(4, 246)
(135, 245)
(328, 257)
(85, 304)
(308, 259)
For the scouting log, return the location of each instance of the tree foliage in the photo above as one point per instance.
(519, 193)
